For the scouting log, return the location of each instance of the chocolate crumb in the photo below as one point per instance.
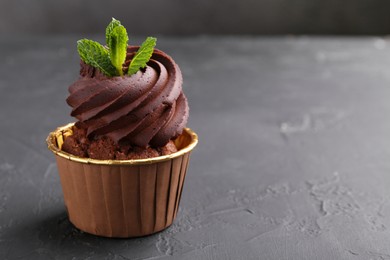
(104, 148)
(167, 149)
(71, 145)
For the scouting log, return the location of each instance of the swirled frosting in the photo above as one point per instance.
(147, 108)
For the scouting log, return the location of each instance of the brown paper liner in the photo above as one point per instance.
(122, 198)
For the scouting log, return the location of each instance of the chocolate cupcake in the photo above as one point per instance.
(122, 164)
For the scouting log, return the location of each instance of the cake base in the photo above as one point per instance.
(103, 148)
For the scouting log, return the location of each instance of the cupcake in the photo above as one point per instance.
(122, 164)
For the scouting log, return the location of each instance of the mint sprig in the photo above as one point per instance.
(95, 55)
(116, 38)
(110, 59)
(142, 56)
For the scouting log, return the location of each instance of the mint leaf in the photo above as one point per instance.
(113, 24)
(117, 44)
(142, 56)
(95, 55)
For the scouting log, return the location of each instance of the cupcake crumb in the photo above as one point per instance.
(142, 153)
(71, 145)
(104, 148)
(169, 148)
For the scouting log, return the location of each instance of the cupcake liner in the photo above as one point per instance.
(122, 198)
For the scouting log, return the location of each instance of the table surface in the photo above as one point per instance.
(293, 160)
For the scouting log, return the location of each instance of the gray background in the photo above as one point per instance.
(293, 159)
(188, 17)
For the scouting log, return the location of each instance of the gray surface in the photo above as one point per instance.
(189, 17)
(293, 160)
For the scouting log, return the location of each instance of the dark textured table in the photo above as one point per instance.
(293, 160)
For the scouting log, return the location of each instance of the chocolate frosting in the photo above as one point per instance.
(147, 108)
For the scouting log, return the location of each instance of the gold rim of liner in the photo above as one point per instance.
(65, 131)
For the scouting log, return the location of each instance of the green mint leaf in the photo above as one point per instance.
(117, 43)
(95, 55)
(113, 24)
(142, 56)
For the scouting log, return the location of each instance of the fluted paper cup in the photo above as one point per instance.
(122, 198)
